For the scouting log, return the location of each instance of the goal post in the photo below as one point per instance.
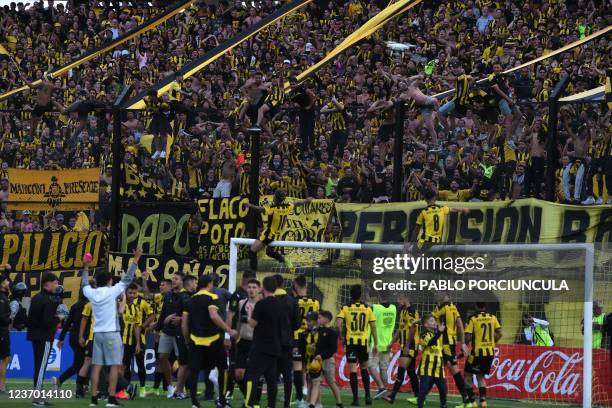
(586, 249)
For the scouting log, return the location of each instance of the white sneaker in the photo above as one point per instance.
(599, 201)
(162, 155)
(170, 392)
(589, 201)
(155, 155)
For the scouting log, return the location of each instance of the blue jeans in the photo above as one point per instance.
(447, 108)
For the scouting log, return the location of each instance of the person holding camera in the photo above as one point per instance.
(537, 331)
(42, 322)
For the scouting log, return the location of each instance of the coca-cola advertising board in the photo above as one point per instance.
(524, 372)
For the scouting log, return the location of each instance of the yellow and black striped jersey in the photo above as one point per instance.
(432, 364)
(130, 318)
(357, 317)
(305, 306)
(447, 313)
(461, 89)
(407, 317)
(482, 327)
(431, 220)
(146, 310)
(90, 324)
(311, 339)
(277, 216)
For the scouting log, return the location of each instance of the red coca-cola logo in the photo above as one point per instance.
(550, 371)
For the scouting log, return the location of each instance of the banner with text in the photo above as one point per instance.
(522, 372)
(51, 251)
(222, 219)
(62, 190)
(500, 222)
(307, 223)
(162, 231)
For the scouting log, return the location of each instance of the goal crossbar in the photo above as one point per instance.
(589, 254)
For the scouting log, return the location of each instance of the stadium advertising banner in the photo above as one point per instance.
(306, 223)
(222, 219)
(162, 231)
(519, 221)
(520, 372)
(63, 190)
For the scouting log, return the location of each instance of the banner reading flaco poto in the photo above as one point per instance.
(507, 222)
(306, 223)
(222, 219)
(62, 190)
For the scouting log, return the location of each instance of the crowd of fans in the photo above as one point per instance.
(332, 135)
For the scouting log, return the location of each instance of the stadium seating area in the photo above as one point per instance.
(478, 153)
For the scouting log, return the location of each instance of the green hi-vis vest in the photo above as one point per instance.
(542, 336)
(385, 324)
(598, 334)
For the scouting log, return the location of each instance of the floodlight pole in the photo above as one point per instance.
(398, 152)
(552, 155)
(117, 174)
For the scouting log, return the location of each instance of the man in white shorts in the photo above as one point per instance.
(107, 344)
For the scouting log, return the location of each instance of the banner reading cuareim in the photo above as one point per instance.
(62, 190)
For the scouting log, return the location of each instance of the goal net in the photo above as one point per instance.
(540, 293)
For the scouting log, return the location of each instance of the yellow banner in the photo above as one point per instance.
(306, 223)
(61, 190)
(504, 222)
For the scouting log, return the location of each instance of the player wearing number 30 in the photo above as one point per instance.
(430, 222)
(483, 331)
(359, 320)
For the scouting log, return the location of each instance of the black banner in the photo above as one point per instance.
(222, 219)
(162, 231)
(51, 251)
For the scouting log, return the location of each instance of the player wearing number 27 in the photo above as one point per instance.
(430, 223)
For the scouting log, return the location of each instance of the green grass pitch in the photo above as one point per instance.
(327, 400)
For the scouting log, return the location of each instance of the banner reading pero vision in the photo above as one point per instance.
(63, 190)
(519, 221)
(162, 231)
(50, 251)
(306, 223)
(222, 219)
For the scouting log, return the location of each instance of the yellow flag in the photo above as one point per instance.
(146, 141)
(169, 143)
(3, 50)
(82, 222)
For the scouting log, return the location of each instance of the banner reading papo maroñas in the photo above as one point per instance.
(62, 190)
(162, 231)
